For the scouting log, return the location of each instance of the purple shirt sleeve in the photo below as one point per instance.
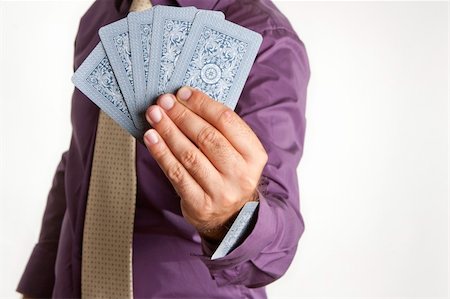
(39, 275)
(273, 104)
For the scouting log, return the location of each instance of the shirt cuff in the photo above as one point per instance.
(39, 276)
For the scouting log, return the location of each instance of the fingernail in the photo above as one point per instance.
(150, 136)
(166, 102)
(154, 115)
(184, 93)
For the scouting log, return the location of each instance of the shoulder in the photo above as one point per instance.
(261, 16)
(100, 13)
(281, 46)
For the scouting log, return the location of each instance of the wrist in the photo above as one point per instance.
(214, 235)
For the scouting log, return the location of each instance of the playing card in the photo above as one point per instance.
(116, 42)
(140, 26)
(171, 27)
(237, 230)
(95, 78)
(217, 58)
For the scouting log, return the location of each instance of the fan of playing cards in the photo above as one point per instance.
(157, 51)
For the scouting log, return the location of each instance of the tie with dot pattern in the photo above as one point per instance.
(108, 228)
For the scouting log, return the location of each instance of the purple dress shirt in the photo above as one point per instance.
(169, 258)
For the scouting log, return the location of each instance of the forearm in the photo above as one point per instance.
(273, 104)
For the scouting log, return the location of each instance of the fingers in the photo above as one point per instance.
(183, 182)
(192, 159)
(212, 143)
(233, 127)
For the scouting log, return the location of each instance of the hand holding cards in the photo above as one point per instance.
(157, 51)
(210, 155)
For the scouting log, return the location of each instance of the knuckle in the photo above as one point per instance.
(226, 116)
(248, 184)
(264, 157)
(190, 160)
(207, 136)
(259, 157)
(166, 130)
(202, 101)
(159, 152)
(175, 173)
(228, 200)
(180, 117)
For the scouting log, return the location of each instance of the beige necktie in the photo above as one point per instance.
(106, 265)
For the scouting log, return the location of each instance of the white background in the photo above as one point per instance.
(374, 174)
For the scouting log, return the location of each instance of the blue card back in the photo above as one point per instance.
(171, 26)
(217, 59)
(116, 41)
(95, 78)
(140, 26)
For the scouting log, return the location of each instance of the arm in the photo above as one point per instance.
(214, 159)
(39, 275)
(275, 110)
